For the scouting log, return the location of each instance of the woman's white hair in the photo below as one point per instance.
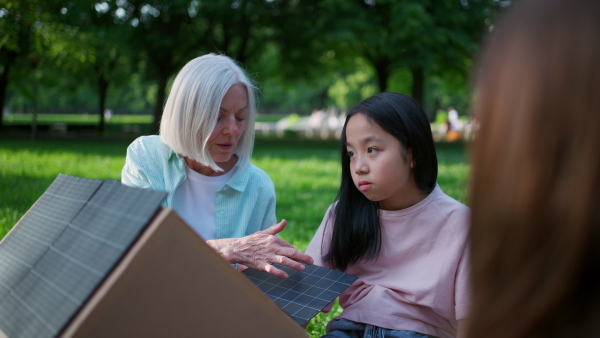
(193, 105)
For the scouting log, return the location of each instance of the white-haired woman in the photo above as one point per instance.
(202, 160)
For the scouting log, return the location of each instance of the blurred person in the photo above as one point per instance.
(395, 229)
(453, 120)
(455, 126)
(535, 190)
(202, 160)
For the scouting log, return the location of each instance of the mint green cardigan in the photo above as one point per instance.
(245, 204)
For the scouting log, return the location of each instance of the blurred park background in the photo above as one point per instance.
(115, 59)
(81, 79)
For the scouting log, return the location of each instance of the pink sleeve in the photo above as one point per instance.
(320, 244)
(322, 239)
(463, 286)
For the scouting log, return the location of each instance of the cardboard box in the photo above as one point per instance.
(94, 258)
(171, 284)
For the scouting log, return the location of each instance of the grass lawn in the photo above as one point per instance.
(93, 119)
(86, 124)
(74, 119)
(306, 176)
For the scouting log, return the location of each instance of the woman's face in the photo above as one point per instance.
(231, 123)
(381, 168)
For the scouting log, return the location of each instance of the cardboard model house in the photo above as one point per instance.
(93, 258)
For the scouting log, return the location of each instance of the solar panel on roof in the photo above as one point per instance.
(63, 247)
(304, 293)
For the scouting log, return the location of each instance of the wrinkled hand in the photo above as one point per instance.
(261, 250)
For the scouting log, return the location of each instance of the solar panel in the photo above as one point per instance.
(62, 249)
(304, 293)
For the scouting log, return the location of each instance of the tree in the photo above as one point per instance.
(163, 37)
(415, 34)
(93, 41)
(170, 33)
(239, 29)
(17, 22)
(299, 64)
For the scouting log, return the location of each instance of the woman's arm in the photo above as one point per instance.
(261, 250)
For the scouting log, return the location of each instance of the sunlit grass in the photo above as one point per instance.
(93, 119)
(306, 176)
(10, 119)
(27, 169)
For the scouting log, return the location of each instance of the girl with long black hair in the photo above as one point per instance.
(394, 228)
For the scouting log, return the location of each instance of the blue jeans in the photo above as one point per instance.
(343, 328)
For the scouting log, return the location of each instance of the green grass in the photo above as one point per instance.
(306, 176)
(93, 119)
(75, 119)
(85, 124)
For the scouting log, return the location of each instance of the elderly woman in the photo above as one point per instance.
(202, 159)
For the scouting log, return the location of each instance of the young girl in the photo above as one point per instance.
(394, 228)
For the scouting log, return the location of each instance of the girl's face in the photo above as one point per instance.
(381, 168)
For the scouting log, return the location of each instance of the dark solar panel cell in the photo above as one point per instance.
(304, 294)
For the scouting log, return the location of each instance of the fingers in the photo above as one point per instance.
(294, 256)
(285, 261)
(275, 272)
(263, 249)
(277, 228)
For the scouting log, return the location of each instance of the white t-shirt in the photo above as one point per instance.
(197, 201)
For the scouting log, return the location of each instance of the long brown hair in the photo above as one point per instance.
(535, 190)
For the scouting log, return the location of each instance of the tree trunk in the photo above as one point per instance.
(33, 62)
(160, 101)
(34, 126)
(103, 90)
(382, 77)
(418, 77)
(4, 86)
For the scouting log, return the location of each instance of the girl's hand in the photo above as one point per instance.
(261, 250)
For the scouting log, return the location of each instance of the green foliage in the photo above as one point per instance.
(449, 89)
(441, 116)
(270, 117)
(68, 55)
(400, 81)
(424, 37)
(276, 97)
(353, 87)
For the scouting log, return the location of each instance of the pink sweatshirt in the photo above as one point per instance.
(420, 282)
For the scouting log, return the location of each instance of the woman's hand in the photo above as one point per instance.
(260, 250)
